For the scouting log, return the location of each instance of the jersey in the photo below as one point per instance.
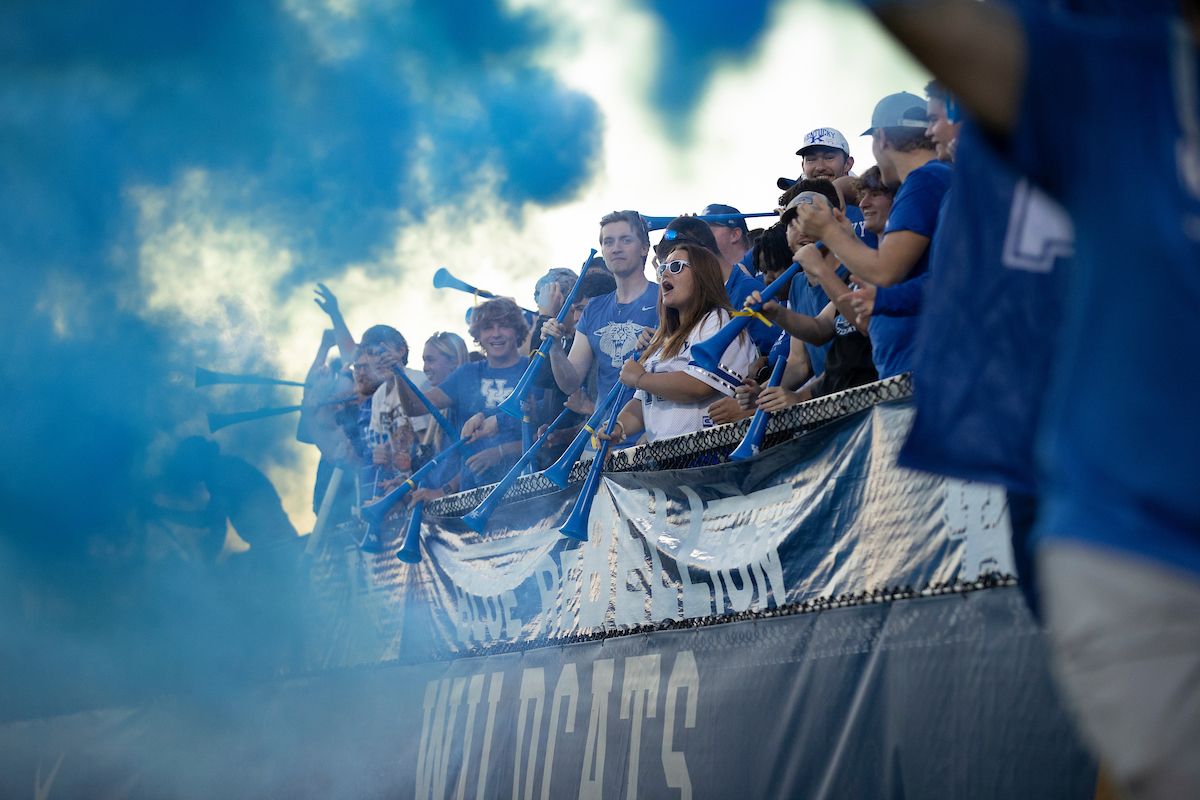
(915, 209)
(1120, 440)
(855, 215)
(995, 290)
(612, 330)
(477, 387)
(664, 418)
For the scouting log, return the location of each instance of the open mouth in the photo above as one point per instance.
(667, 285)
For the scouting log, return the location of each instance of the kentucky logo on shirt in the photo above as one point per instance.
(494, 390)
(619, 339)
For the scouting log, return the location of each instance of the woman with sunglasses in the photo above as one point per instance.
(444, 353)
(672, 393)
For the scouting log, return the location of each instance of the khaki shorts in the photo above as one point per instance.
(1126, 636)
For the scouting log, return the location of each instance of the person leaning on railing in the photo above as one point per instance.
(672, 392)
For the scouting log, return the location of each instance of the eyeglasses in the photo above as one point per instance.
(642, 223)
(674, 267)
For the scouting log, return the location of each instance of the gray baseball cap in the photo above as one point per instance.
(900, 110)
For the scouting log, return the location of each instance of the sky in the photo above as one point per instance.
(812, 64)
(175, 178)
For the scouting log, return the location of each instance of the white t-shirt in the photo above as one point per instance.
(666, 418)
(386, 412)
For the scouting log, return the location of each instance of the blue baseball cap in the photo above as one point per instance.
(900, 110)
(717, 208)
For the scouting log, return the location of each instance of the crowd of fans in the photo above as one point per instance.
(847, 318)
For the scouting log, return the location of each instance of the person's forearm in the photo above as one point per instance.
(341, 334)
(565, 374)
(861, 260)
(797, 371)
(835, 288)
(678, 387)
(804, 328)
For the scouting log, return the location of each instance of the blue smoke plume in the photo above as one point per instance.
(309, 122)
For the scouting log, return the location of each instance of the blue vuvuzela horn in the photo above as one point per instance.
(512, 405)
(752, 441)
(478, 519)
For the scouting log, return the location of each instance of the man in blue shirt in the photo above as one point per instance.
(826, 154)
(905, 156)
(609, 328)
(476, 389)
(1119, 520)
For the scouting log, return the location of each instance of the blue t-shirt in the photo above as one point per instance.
(1121, 436)
(739, 287)
(855, 215)
(612, 330)
(475, 388)
(991, 311)
(915, 209)
(811, 300)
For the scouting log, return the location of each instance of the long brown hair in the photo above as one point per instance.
(709, 294)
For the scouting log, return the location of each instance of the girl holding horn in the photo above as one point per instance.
(672, 393)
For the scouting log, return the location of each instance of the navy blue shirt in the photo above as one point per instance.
(475, 388)
(915, 209)
(612, 330)
(992, 307)
(811, 300)
(1121, 434)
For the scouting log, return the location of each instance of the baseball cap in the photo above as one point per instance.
(717, 208)
(824, 137)
(786, 183)
(900, 110)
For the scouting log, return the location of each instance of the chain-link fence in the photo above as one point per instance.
(702, 448)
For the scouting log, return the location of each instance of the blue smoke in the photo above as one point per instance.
(308, 123)
(698, 37)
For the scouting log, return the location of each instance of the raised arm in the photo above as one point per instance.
(571, 370)
(329, 304)
(978, 50)
(898, 251)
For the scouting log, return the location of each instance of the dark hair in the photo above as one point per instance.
(500, 310)
(596, 284)
(709, 294)
(637, 224)
(820, 185)
(597, 262)
(872, 181)
(934, 90)
(689, 228)
(754, 236)
(907, 140)
(379, 335)
(772, 252)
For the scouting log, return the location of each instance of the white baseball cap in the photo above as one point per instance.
(824, 137)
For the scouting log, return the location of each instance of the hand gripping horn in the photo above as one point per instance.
(437, 416)
(206, 377)
(478, 519)
(559, 472)
(374, 513)
(658, 223)
(410, 552)
(752, 441)
(576, 524)
(512, 406)
(216, 421)
(708, 353)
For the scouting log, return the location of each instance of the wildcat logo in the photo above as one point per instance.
(495, 391)
(619, 339)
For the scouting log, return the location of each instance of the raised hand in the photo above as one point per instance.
(326, 300)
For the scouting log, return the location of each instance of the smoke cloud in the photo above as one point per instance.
(171, 171)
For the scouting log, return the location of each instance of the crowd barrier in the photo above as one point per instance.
(812, 622)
